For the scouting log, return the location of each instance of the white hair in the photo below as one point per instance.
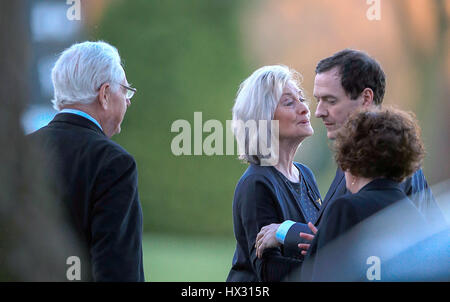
(257, 100)
(80, 71)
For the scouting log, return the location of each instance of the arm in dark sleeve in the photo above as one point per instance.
(339, 217)
(116, 228)
(258, 209)
(417, 189)
(293, 239)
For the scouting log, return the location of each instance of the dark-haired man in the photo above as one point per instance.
(344, 82)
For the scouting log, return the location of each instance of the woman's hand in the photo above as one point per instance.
(305, 246)
(266, 238)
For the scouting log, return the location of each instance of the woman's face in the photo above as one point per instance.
(293, 114)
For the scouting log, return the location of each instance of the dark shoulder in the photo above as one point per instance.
(365, 203)
(343, 201)
(342, 214)
(254, 189)
(112, 152)
(86, 141)
(347, 204)
(255, 173)
(256, 176)
(111, 147)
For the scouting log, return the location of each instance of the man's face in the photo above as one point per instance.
(333, 105)
(117, 107)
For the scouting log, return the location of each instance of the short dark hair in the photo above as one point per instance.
(380, 143)
(358, 71)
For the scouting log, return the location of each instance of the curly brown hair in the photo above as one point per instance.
(380, 143)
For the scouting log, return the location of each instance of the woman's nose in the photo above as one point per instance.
(302, 108)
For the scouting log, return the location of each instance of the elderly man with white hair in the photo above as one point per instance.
(96, 178)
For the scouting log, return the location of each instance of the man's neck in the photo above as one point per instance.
(85, 109)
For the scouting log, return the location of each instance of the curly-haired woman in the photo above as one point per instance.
(377, 149)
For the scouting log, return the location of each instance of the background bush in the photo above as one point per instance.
(183, 57)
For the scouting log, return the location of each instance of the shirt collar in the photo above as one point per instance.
(381, 183)
(83, 114)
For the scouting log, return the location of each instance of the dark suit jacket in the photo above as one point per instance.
(416, 187)
(97, 181)
(347, 238)
(263, 197)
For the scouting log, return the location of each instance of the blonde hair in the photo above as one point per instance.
(257, 100)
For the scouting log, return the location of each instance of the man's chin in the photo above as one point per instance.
(117, 130)
(331, 135)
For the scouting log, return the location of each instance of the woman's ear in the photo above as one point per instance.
(103, 95)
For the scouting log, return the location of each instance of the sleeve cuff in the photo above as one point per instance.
(283, 230)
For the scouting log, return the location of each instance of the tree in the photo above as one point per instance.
(35, 238)
(430, 63)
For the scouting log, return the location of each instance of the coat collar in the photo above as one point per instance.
(77, 121)
(381, 184)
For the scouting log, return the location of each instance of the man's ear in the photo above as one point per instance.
(103, 95)
(367, 95)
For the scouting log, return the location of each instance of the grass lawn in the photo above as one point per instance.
(181, 258)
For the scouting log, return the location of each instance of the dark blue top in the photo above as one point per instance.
(375, 224)
(415, 187)
(262, 197)
(309, 206)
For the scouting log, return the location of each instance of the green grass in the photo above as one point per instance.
(178, 258)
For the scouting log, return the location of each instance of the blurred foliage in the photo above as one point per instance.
(183, 57)
(35, 237)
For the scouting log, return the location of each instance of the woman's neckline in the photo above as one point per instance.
(286, 178)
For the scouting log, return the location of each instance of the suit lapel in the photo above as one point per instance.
(335, 185)
(337, 189)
